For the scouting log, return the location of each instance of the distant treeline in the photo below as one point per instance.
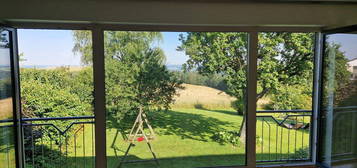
(213, 80)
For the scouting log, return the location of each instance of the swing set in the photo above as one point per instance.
(138, 134)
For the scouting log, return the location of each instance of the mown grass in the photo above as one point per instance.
(183, 140)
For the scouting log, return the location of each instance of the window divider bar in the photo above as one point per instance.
(99, 97)
(318, 52)
(251, 99)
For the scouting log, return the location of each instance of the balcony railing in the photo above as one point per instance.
(283, 135)
(59, 142)
(344, 133)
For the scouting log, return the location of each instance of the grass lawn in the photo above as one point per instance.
(184, 140)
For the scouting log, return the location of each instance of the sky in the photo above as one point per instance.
(54, 48)
(348, 43)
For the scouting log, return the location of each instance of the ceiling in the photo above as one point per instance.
(284, 13)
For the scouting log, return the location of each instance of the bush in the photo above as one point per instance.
(224, 137)
(239, 106)
(301, 153)
(291, 97)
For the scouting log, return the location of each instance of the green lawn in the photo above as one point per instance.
(184, 140)
(7, 148)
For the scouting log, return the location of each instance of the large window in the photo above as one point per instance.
(339, 102)
(175, 98)
(284, 96)
(56, 82)
(7, 129)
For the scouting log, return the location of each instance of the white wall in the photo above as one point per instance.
(185, 12)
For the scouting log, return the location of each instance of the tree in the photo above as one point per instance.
(135, 72)
(336, 74)
(283, 59)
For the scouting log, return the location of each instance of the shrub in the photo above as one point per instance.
(224, 137)
(239, 106)
(291, 97)
(301, 153)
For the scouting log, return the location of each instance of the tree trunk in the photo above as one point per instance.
(242, 131)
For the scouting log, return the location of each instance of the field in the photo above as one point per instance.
(5, 108)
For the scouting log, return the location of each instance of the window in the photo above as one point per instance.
(284, 96)
(178, 97)
(56, 80)
(339, 102)
(7, 128)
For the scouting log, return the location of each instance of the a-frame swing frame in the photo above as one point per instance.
(138, 134)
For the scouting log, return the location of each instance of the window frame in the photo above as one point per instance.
(99, 75)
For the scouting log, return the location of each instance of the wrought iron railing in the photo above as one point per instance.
(344, 133)
(283, 135)
(7, 147)
(59, 142)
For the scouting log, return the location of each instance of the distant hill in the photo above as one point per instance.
(49, 67)
(174, 67)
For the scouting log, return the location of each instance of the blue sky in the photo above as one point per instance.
(348, 43)
(54, 47)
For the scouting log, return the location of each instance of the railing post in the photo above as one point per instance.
(251, 99)
(99, 97)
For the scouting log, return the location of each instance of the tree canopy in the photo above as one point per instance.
(135, 72)
(283, 58)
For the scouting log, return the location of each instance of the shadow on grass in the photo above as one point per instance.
(186, 125)
(175, 162)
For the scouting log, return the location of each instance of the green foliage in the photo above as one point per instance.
(283, 58)
(290, 98)
(135, 73)
(117, 44)
(224, 137)
(301, 153)
(336, 73)
(55, 93)
(239, 106)
(44, 100)
(5, 86)
(218, 53)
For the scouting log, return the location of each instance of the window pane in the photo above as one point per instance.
(56, 79)
(339, 104)
(181, 94)
(284, 102)
(7, 129)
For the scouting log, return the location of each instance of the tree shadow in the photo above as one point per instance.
(229, 112)
(186, 125)
(201, 161)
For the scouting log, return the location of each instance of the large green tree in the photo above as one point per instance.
(135, 72)
(283, 59)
